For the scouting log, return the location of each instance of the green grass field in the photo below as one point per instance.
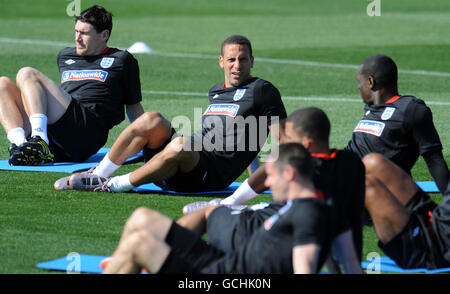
(38, 223)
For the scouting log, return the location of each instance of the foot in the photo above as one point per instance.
(33, 152)
(194, 206)
(87, 181)
(62, 184)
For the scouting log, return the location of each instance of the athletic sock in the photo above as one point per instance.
(242, 194)
(106, 167)
(39, 126)
(120, 183)
(16, 136)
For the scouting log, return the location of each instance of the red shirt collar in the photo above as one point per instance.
(106, 50)
(393, 99)
(326, 156)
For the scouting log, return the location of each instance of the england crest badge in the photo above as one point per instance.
(239, 94)
(388, 113)
(107, 62)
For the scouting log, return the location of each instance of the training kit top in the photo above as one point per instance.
(269, 250)
(401, 129)
(340, 176)
(235, 125)
(103, 83)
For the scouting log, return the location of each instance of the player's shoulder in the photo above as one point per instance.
(121, 54)
(68, 51)
(408, 100)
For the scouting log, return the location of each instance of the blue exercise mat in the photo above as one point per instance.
(152, 188)
(428, 186)
(388, 265)
(86, 263)
(66, 167)
(83, 263)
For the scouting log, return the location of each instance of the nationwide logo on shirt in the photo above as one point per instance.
(222, 109)
(370, 127)
(79, 75)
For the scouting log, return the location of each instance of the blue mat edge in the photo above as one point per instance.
(91, 264)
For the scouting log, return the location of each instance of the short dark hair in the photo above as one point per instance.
(297, 156)
(383, 69)
(311, 122)
(237, 39)
(98, 17)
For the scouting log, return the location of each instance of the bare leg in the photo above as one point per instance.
(389, 216)
(141, 249)
(165, 164)
(142, 243)
(196, 221)
(41, 95)
(151, 129)
(12, 111)
(257, 179)
(393, 177)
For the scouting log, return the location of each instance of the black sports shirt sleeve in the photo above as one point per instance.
(132, 83)
(309, 224)
(268, 103)
(419, 120)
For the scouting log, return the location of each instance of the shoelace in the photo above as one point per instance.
(103, 188)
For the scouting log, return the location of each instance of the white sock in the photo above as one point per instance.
(106, 167)
(120, 183)
(242, 194)
(39, 126)
(16, 136)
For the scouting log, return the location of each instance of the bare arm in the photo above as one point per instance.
(345, 252)
(305, 258)
(134, 111)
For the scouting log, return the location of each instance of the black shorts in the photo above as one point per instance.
(189, 253)
(204, 176)
(77, 135)
(416, 246)
(228, 228)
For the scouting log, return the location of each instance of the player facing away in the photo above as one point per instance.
(45, 122)
(295, 240)
(400, 127)
(206, 160)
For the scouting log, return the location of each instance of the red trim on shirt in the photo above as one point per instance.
(319, 194)
(106, 50)
(393, 99)
(326, 156)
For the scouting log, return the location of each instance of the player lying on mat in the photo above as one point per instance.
(295, 240)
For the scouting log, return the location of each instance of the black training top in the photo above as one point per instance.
(441, 224)
(340, 176)
(401, 129)
(235, 125)
(269, 250)
(103, 83)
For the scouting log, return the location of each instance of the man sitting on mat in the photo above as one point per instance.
(235, 127)
(71, 122)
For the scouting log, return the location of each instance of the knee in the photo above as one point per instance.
(150, 119)
(371, 161)
(26, 73)
(5, 83)
(175, 149)
(142, 218)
